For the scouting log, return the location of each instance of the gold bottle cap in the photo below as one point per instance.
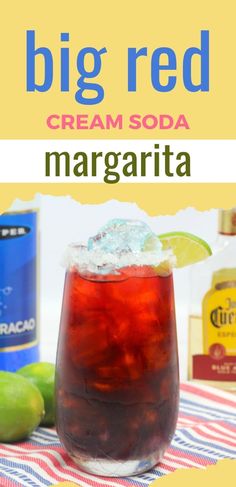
(227, 222)
(224, 278)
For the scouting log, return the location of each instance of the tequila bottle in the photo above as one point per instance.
(212, 320)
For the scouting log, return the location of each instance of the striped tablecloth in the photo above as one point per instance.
(206, 432)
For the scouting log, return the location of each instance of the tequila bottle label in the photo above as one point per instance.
(218, 360)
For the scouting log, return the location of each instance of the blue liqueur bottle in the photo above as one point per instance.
(18, 290)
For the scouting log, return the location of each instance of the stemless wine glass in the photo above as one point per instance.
(117, 368)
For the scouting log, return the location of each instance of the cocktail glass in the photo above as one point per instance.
(117, 365)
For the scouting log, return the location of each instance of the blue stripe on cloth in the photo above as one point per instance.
(205, 445)
(42, 443)
(152, 475)
(22, 470)
(181, 445)
(38, 438)
(46, 433)
(135, 481)
(189, 412)
(198, 407)
(40, 434)
(10, 472)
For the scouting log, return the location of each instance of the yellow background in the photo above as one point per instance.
(155, 199)
(117, 26)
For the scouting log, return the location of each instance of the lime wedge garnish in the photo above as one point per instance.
(186, 247)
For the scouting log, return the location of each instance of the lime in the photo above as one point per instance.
(187, 248)
(21, 407)
(42, 375)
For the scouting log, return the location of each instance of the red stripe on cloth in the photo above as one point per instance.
(193, 418)
(4, 482)
(231, 428)
(189, 456)
(179, 461)
(197, 391)
(24, 450)
(230, 437)
(41, 462)
(213, 438)
(164, 466)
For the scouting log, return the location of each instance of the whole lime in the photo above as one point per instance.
(42, 375)
(21, 407)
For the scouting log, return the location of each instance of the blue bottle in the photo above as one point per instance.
(19, 344)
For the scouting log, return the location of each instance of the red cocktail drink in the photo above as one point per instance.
(117, 369)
